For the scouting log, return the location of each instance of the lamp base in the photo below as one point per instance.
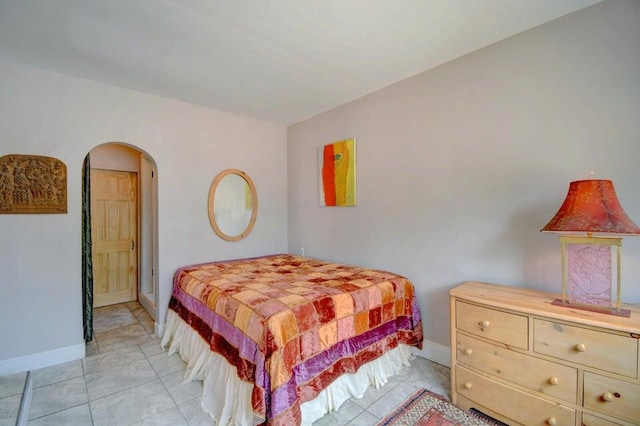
(593, 308)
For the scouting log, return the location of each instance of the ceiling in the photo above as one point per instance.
(279, 61)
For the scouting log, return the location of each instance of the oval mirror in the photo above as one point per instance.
(233, 205)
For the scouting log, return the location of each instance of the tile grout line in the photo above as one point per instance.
(156, 373)
(119, 366)
(437, 381)
(174, 401)
(86, 388)
(123, 390)
(161, 382)
(160, 378)
(146, 357)
(370, 387)
(60, 411)
(372, 414)
(84, 376)
(56, 383)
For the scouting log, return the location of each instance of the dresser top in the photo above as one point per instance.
(539, 303)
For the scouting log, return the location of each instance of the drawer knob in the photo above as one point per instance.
(607, 397)
(552, 421)
(554, 380)
(468, 351)
(468, 385)
(485, 324)
(580, 347)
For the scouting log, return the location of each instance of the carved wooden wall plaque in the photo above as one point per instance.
(32, 184)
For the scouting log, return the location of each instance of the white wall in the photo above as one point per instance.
(112, 156)
(43, 113)
(460, 167)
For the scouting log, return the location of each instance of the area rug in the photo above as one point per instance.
(425, 408)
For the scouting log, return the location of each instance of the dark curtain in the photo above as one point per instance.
(87, 262)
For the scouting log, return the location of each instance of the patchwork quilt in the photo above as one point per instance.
(291, 325)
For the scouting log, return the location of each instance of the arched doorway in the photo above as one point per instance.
(122, 208)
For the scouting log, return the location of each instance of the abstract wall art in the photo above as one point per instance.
(338, 173)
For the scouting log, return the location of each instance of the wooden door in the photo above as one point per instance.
(114, 236)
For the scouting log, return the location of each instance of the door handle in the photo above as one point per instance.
(131, 244)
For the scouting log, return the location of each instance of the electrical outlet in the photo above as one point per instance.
(301, 251)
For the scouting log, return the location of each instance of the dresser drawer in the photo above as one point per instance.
(591, 420)
(511, 403)
(587, 347)
(503, 327)
(536, 374)
(612, 397)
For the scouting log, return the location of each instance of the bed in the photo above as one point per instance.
(283, 339)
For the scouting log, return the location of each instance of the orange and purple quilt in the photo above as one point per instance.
(291, 325)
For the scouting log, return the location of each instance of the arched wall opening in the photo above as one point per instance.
(109, 163)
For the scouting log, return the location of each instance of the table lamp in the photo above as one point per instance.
(588, 264)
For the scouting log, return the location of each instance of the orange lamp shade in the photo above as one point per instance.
(591, 206)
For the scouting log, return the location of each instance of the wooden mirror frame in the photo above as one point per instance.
(211, 201)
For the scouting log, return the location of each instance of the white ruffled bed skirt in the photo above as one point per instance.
(227, 399)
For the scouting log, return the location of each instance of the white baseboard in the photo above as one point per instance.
(435, 352)
(158, 329)
(430, 350)
(42, 359)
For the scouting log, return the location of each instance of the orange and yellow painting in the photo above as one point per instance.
(338, 173)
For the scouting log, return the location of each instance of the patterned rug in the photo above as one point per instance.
(425, 408)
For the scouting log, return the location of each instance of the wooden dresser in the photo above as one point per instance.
(517, 358)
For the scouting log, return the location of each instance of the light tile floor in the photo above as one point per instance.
(126, 379)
